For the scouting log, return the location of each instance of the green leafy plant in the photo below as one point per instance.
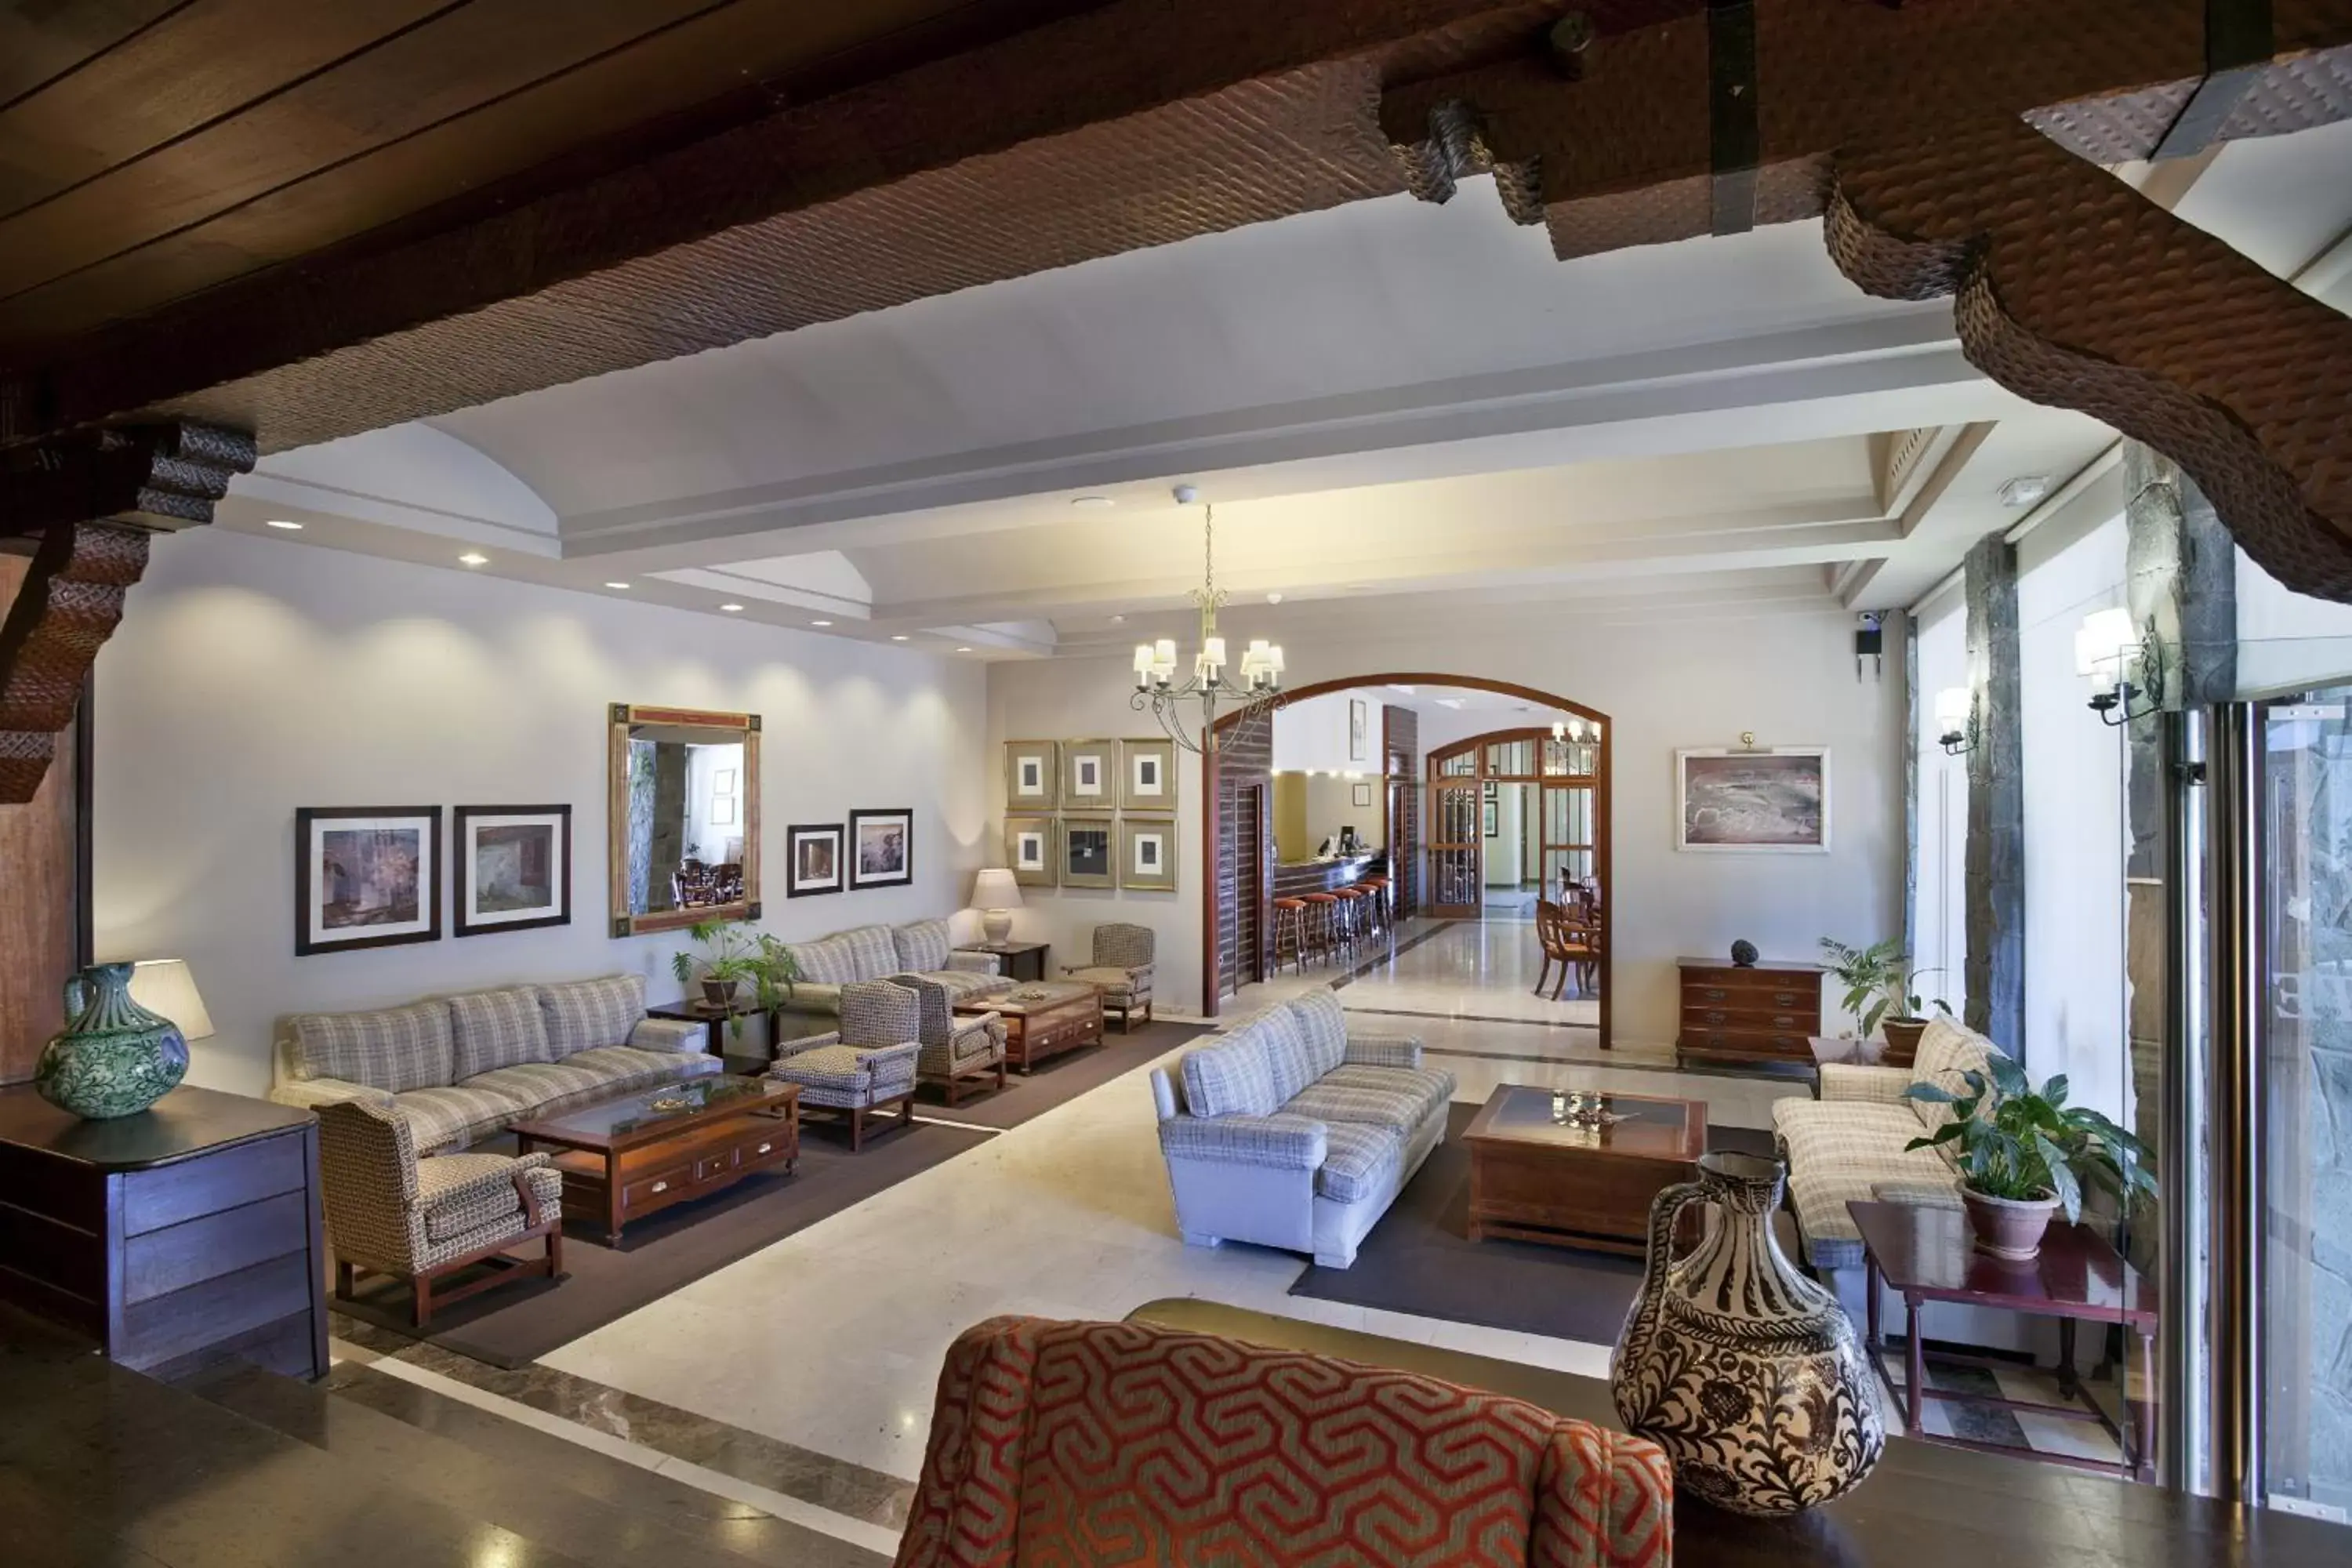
(1878, 980)
(2025, 1144)
(731, 955)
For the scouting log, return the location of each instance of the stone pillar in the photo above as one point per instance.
(1995, 892)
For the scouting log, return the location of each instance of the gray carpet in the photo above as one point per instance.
(516, 1325)
(1420, 1258)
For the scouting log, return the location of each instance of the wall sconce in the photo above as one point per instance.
(2105, 648)
(1956, 711)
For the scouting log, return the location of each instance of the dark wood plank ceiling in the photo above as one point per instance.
(150, 151)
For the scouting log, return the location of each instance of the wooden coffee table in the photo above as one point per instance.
(639, 1152)
(1045, 1020)
(1927, 1254)
(1532, 1179)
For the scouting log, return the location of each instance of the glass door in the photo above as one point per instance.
(1457, 867)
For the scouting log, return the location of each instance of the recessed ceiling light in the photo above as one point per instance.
(963, 650)
(897, 636)
(623, 586)
(1092, 501)
(732, 609)
(1406, 689)
(1118, 620)
(1274, 598)
(286, 524)
(820, 623)
(2026, 490)
(473, 558)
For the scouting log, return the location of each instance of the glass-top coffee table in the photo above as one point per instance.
(1534, 1177)
(641, 1152)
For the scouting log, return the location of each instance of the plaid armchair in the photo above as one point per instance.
(1121, 971)
(389, 1213)
(957, 1048)
(863, 1068)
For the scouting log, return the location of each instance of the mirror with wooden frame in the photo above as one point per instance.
(682, 827)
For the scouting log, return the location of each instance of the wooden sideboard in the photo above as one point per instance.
(188, 1233)
(1766, 1012)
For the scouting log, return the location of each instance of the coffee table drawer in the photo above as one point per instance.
(655, 1187)
(770, 1146)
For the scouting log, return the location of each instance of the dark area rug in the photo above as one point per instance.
(1420, 1257)
(1060, 1079)
(516, 1325)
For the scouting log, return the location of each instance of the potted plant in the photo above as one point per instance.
(2025, 1153)
(730, 956)
(1879, 982)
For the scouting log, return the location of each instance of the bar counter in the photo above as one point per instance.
(1293, 877)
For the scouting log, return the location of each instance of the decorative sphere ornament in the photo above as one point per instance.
(1743, 955)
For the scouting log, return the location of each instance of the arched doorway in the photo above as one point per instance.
(1564, 828)
(1240, 763)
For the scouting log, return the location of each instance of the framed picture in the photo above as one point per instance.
(1029, 850)
(722, 782)
(1032, 772)
(1359, 729)
(366, 876)
(1085, 851)
(1149, 780)
(1089, 775)
(1489, 817)
(881, 849)
(722, 811)
(1147, 860)
(1362, 795)
(511, 869)
(1775, 801)
(811, 859)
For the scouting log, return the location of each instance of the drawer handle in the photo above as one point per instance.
(1715, 1017)
(661, 1187)
(1713, 993)
(1784, 997)
(764, 1148)
(1785, 1021)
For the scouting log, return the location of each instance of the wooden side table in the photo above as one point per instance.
(1018, 960)
(714, 1041)
(1927, 1254)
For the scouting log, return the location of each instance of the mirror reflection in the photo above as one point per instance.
(685, 817)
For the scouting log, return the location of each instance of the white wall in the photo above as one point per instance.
(254, 676)
(1940, 934)
(2287, 641)
(1696, 683)
(2074, 1020)
(1331, 806)
(1313, 735)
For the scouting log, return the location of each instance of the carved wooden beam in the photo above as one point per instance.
(91, 501)
(1946, 146)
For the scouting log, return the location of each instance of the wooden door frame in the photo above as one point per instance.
(1432, 840)
(1602, 773)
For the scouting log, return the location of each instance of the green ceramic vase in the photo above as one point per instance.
(115, 1058)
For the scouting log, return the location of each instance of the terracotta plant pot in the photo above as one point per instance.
(1902, 1041)
(718, 993)
(2007, 1228)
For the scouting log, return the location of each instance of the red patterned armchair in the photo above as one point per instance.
(1057, 1443)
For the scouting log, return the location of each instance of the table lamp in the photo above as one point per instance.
(165, 987)
(996, 895)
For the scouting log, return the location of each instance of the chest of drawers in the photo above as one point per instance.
(1767, 1012)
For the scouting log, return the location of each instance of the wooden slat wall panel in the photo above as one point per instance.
(202, 62)
(38, 44)
(1243, 760)
(38, 915)
(1400, 734)
(683, 65)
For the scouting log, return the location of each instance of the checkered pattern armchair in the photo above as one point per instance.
(953, 1043)
(865, 1066)
(389, 1213)
(1121, 971)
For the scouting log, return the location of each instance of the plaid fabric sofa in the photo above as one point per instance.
(1075, 1441)
(877, 952)
(1293, 1130)
(1847, 1146)
(459, 1068)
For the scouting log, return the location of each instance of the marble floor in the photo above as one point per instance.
(829, 1342)
(1481, 971)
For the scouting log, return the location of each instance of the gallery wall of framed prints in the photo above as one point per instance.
(1091, 813)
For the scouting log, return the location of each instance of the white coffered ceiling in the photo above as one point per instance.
(1391, 403)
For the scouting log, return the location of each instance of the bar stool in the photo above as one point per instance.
(1349, 910)
(1374, 913)
(1290, 926)
(1319, 924)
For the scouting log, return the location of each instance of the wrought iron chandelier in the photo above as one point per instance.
(1252, 691)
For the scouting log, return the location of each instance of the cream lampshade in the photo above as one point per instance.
(996, 895)
(165, 987)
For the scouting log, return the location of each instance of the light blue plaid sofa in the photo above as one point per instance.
(921, 948)
(1292, 1131)
(459, 1068)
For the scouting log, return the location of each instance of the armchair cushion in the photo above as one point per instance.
(390, 1048)
(1122, 944)
(1421, 1092)
(1383, 1051)
(460, 1193)
(1359, 1159)
(498, 1029)
(1398, 1105)
(1276, 1143)
(1849, 1081)
(583, 1014)
(1116, 984)
(876, 1013)
(921, 945)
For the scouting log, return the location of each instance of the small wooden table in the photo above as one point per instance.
(1532, 1179)
(1926, 1254)
(1044, 1020)
(710, 1015)
(1015, 960)
(640, 1152)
